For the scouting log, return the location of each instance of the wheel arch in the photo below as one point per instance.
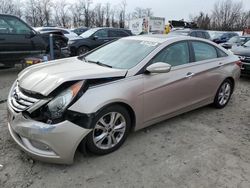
(232, 80)
(128, 108)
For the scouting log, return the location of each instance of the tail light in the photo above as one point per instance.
(239, 63)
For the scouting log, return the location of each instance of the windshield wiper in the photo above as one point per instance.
(98, 63)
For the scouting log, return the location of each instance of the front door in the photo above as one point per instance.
(100, 37)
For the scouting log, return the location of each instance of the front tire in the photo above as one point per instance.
(82, 50)
(110, 129)
(223, 94)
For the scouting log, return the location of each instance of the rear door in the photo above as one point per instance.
(206, 71)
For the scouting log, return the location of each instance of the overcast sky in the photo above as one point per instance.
(172, 9)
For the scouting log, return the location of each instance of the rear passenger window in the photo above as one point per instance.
(193, 34)
(122, 34)
(199, 34)
(204, 51)
(113, 33)
(176, 54)
(207, 36)
(102, 33)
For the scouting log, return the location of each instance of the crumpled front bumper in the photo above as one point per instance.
(50, 143)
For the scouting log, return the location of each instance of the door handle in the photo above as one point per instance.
(190, 74)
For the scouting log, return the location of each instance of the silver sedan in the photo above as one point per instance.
(95, 100)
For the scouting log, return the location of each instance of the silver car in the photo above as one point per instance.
(95, 100)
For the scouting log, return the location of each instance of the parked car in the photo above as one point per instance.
(235, 41)
(96, 99)
(79, 30)
(67, 33)
(221, 37)
(193, 33)
(243, 52)
(19, 41)
(94, 38)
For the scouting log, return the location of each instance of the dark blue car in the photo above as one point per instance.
(222, 37)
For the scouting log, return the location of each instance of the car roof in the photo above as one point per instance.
(54, 28)
(111, 28)
(158, 38)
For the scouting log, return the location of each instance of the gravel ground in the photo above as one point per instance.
(203, 148)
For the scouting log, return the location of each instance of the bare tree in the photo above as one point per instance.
(99, 15)
(226, 14)
(107, 14)
(77, 13)
(11, 7)
(141, 12)
(62, 17)
(202, 20)
(31, 14)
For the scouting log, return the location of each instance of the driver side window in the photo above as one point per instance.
(175, 54)
(11, 25)
(101, 33)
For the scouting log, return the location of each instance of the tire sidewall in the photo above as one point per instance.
(89, 139)
(216, 100)
(82, 47)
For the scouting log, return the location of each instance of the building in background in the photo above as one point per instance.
(147, 25)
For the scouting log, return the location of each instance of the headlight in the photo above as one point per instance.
(57, 106)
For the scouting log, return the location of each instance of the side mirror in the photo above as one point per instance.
(31, 34)
(95, 37)
(159, 67)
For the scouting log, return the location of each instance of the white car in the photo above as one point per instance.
(67, 33)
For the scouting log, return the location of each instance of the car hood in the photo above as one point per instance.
(241, 50)
(75, 38)
(45, 77)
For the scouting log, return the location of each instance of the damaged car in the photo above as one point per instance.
(95, 100)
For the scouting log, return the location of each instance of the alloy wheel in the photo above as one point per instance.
(109, 130)
(224, 93)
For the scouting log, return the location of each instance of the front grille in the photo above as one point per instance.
(21, 102)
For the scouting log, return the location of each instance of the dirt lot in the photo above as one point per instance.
(204, 148)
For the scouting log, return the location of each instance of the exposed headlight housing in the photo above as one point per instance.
(57, 106)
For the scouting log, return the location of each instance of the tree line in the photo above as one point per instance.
(80, 13)
(226, 15)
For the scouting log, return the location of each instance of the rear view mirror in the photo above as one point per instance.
(159, 67)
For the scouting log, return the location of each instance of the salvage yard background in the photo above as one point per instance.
(202, 148)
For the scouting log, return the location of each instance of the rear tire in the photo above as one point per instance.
(110, 129)
(223, 94)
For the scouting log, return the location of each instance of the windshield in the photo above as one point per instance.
(247, 44)
(88, 33)
(234, 39)
(122, 54)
